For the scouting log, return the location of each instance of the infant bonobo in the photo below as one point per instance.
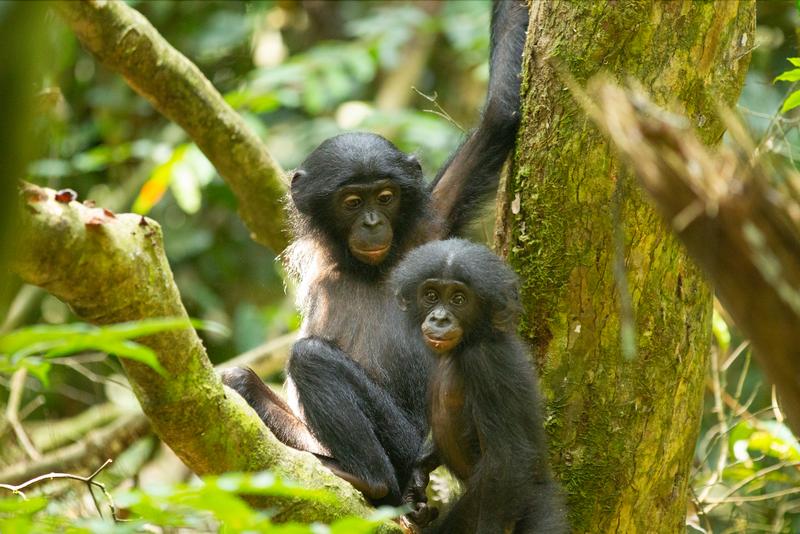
(485, 414)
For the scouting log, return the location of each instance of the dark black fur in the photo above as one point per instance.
(483, 153)
(358, 381)
(509, 485)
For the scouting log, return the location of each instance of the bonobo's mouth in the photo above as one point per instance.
(371, 256)
(441, 345)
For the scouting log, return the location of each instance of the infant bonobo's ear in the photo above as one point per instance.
(412, 159)
(507, 309)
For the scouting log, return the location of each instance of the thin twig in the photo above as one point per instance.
(735, 354)
(755, 498)
(92, 448)
(776, 409)
(440, 111)
(89, 481)
(12, 413)
(31, 406)
(90, 375)
(719, 409)
(746, 481)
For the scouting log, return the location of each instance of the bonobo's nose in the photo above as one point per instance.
(371, 220)
(439, 318)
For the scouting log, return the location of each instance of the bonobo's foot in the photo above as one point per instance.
(408, 526)
(273, 410)
(422, 514)
(415, 497)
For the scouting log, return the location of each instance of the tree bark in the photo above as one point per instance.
(618, 317)
(125, 42)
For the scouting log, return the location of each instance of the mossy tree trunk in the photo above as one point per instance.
(618, 317)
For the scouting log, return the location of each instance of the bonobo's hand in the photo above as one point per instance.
(421, 514)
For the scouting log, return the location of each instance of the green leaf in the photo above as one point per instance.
(52, 341)
(155, 186)
(19, 505)
(721, 332)
(23, 337)
(132, 351)
(788, 76)
(35, 366)
(18, 525)
(229, 509)
(185, 187)
(795, 60)
(792, 102)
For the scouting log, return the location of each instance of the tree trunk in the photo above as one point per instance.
(618, 317)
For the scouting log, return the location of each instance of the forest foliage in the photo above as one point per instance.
(298, 74)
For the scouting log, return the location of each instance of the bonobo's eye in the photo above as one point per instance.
(352, 202)
(458, 299)
(431, 297)
(385, 197)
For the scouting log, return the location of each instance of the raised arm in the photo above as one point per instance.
(471, 175)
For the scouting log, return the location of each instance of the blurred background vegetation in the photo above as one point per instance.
(299, 72)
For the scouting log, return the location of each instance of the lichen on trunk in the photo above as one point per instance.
(618, 317)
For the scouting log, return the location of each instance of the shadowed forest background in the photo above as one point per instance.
(298, 72)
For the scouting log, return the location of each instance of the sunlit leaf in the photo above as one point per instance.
(721, 332)
(52, 341)
(792, 102)
(788, 76)
(19, 525)
(154, 188)
(185, 188)
(18, 505)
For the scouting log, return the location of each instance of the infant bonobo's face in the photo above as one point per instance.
(449, 308)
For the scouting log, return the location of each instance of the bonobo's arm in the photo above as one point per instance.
(471, 176)
(414, 496)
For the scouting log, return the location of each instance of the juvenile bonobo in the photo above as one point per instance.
(461, 301)
(356, 383)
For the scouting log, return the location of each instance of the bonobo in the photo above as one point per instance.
(461, 301)
(356, 383)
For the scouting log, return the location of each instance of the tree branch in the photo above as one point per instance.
(12, 414)
(111, 268)
(738, 225)
(125, 42)
(95, 447)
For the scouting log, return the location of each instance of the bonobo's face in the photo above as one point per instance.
(366, 213)
(450, 308)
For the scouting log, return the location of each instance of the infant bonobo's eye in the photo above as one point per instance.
(385, 197)
(352, 202)
(458, 299)
(431, 297)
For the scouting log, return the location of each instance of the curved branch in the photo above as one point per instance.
(740, 227)
(125, 42)
(111, 268)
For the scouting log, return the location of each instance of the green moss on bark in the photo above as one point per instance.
(622, 429)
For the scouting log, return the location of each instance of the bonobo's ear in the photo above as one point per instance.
(412, 159)
(298, 174)
(507, 309)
